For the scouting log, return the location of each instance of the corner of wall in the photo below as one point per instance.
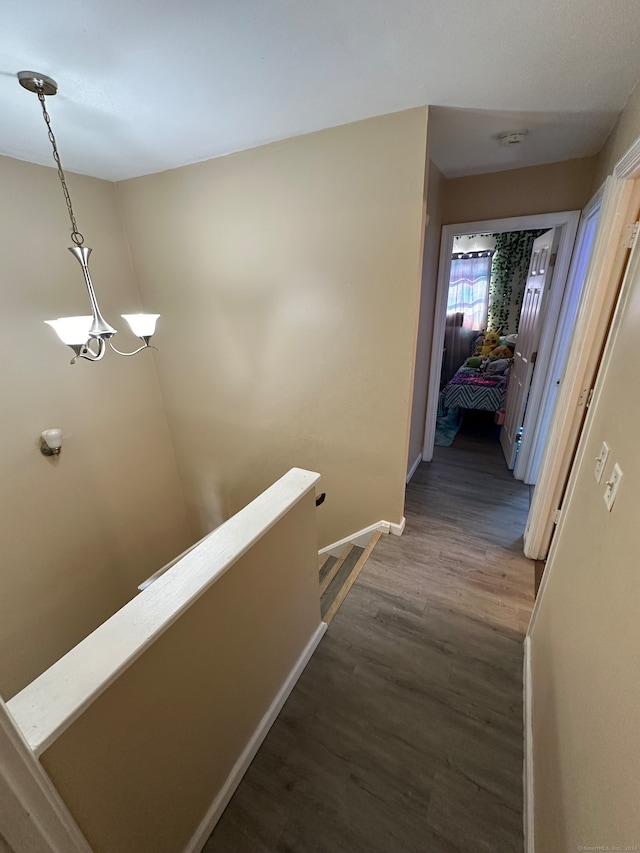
(156, 377)
(284, 354)
(622, 136)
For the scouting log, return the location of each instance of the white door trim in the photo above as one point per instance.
(537, 434)
(598, 298)
(528, 778)
(603, 276)
(567, 220)
(32, 813)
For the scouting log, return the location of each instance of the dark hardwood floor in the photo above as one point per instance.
(404, 733)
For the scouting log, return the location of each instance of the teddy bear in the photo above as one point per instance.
(501, 352)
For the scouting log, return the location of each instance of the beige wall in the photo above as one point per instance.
(586, 632)
(518, 192)
(434, 192)
(290, 274)
(142, 765)
(621, 138)
(78, 532)
(5, 847)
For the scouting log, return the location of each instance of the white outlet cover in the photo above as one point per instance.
(613, 484)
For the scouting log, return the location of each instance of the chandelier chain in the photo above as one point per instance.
(76, 236)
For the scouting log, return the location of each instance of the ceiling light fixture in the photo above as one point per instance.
(81, 332)
(512, 137)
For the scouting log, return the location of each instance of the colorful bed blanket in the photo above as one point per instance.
(471, 389)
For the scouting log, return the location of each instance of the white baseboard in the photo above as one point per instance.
(365, 535)
(397, 529)
(204, 830)
(414, 467)
(529, 841)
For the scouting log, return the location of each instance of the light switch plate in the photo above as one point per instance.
(612, 486)
(601, 461)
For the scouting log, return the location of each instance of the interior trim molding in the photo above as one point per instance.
(414, 467)
(214, 813)
(619, 200)
(397, 529)
(365, 534)
(35, 817)
(528, 813)
(629, 164)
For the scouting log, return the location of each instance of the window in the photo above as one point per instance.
(469, 288)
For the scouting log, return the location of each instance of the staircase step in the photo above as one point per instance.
(327, 561)
(338, 577)
(334, 569)
(347, 574)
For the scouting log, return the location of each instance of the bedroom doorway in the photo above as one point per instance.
(488, 393)
(487, 285)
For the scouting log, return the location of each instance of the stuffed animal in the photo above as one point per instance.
(490, 342)
(473, 361)
(497, 367)
(501, 352)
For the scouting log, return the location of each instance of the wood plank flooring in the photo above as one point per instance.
(404, 733)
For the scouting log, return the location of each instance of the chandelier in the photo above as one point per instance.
(89, 335)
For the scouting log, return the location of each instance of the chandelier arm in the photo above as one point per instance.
(76, 236)
(85, 351)
(145, 345)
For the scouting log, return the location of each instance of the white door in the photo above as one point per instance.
(555, 340)
(529, 329)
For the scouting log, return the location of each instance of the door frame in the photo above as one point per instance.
(566, 220)
(599, 297)
(534, 435)
(608, 268)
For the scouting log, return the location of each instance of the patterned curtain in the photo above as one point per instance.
(466, 309)
(469, 289)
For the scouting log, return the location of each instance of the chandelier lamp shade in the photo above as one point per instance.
(88, 336)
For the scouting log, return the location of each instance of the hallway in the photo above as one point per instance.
(404, 733)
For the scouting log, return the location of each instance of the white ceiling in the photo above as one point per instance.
(465, 142)
(147, 85)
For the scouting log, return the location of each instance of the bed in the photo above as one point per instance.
(469, 388)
